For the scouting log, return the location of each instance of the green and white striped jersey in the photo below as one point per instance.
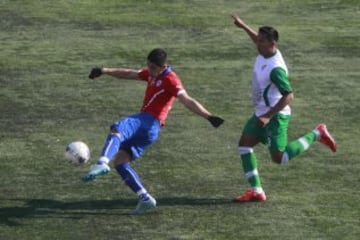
(269, 83)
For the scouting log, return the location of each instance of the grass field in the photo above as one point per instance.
(194, 171)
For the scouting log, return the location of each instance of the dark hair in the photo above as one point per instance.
(270, 33)
(157, 56)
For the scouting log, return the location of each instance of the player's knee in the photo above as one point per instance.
(276, 157)
(118, 161)
(113, 129)
(115, 132)
(121, 157)
(276, 160)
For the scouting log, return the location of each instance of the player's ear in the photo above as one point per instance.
(273, 43)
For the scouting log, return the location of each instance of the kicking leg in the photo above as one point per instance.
(111, 147)
(294, 148)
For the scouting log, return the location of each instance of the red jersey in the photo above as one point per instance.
(160, 93)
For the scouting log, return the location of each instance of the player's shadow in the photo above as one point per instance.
(40, 208)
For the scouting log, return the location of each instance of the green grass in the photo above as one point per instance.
(46, 101)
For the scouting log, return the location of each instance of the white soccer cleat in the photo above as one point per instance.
(145, 206)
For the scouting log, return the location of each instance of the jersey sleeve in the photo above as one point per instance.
(144, 74)
(174, 86)
(279, 77)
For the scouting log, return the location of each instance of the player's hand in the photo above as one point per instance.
(237, 20)
(215, 121)
(95, 72)
(262, 121)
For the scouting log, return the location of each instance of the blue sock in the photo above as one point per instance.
(132, 179)
(111, 147)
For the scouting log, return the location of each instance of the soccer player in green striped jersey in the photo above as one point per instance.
(271, 94)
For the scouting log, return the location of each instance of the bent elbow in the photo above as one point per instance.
(291, 97)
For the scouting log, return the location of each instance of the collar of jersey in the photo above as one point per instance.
(166, 71)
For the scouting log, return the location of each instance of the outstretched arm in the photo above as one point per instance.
(199, 109)
(123, 73)
(241, 24)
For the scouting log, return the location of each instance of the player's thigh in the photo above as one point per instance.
(252, 134)
(248, 140)
(141, 140)
(277, 130)
(127, 126)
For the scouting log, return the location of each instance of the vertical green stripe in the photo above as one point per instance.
(265, 95)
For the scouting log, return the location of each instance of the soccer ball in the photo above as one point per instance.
(77, 152)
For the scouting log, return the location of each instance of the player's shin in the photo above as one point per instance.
(111, 147)
(132, 179)
(298, 146)
(249, 164)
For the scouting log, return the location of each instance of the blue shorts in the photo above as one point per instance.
(137, 132)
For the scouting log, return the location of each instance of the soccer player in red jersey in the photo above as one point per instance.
(130, 136)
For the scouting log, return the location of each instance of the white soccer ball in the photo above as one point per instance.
(77, 152)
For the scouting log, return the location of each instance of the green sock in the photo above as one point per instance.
(249, 164)
(300, 145)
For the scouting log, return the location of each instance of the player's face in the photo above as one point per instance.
(154, 69)
(264, 46)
